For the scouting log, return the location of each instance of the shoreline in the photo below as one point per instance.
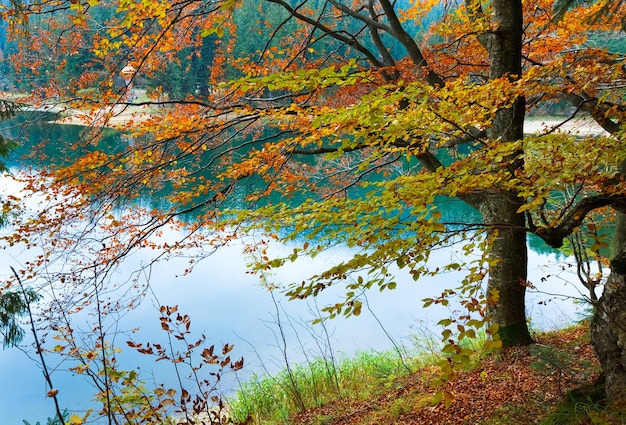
(111, 116)
(119, 115)
(138, 114)
(583, 126)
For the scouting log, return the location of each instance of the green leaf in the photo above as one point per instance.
(445, 322)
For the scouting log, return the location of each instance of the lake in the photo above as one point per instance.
(229, 305)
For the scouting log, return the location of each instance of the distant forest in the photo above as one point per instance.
(187, 72)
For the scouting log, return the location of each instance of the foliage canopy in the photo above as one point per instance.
(359, 118)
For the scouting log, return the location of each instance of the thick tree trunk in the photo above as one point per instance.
(508, 276)
(608, 327)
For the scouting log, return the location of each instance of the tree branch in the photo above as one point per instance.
(596, 108)
(53, 392)
(554, 236)
(350, 41)
(415, 53)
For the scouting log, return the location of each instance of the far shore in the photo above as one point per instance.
(584, 126)
(118, 116)
(532, 125)
(115, 116)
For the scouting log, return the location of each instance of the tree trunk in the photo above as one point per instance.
(508, 276)
(608, 327)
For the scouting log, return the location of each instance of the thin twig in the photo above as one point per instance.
(105, 367)
(46, 374)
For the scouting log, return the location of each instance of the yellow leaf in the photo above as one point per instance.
(76, 420)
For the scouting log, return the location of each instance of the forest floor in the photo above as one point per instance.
(523, 385)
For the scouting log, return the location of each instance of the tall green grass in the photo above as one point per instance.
(274, 399)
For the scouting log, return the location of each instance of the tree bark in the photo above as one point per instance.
(508, 276)
(608, 326)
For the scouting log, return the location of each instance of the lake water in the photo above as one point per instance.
(229, 306)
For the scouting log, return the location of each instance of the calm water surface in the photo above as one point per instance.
(229, 306)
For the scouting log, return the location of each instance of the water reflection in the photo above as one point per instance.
(229, 306)
(54, 144)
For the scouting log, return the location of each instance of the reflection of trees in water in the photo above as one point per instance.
(39, 137)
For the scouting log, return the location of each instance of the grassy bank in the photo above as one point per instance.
(277, 399)
(551, 382)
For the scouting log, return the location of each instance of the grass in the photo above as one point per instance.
(275, 399)
(553, 382)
